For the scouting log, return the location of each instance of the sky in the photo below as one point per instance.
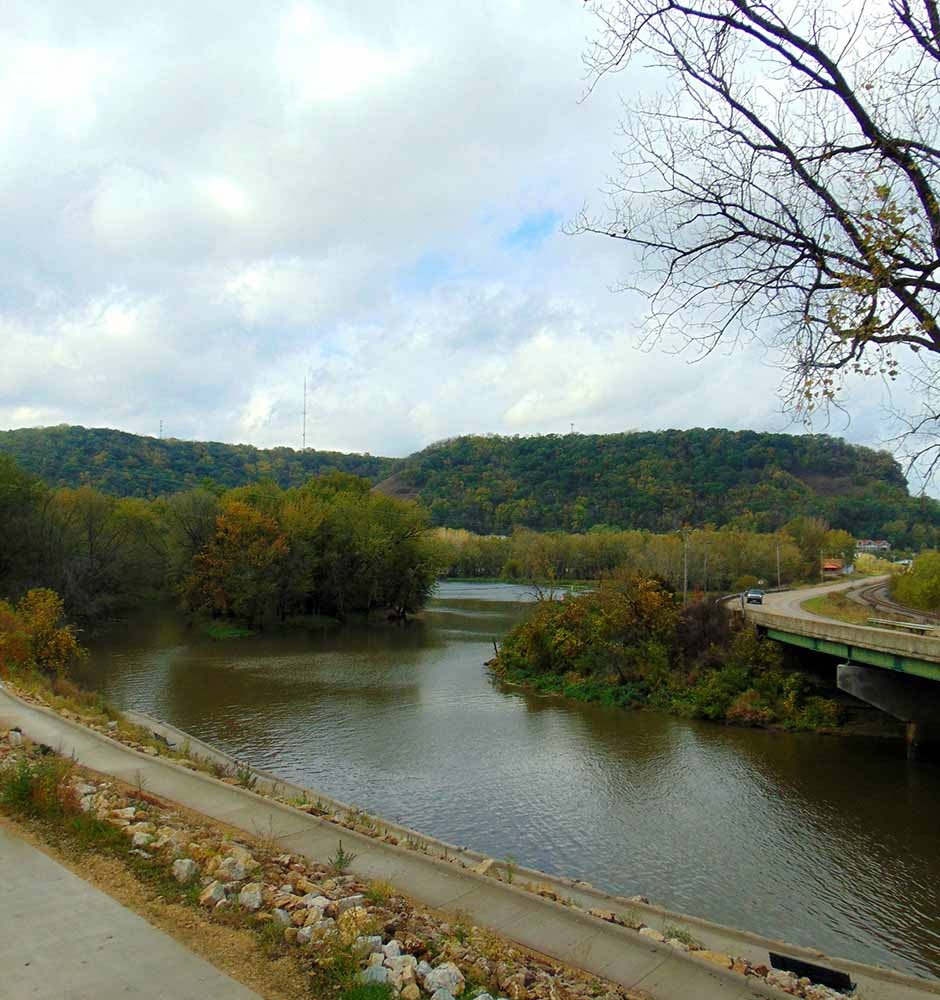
(204, 203)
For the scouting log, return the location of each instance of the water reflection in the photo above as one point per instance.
(821, 841)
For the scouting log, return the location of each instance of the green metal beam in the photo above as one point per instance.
(859, 654)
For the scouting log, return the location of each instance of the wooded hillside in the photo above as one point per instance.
(574, 482)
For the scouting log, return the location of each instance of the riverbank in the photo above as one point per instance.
(621, 914)
(280, 923)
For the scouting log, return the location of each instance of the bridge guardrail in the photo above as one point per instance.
(882, 640)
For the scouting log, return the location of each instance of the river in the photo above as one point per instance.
(822, 841)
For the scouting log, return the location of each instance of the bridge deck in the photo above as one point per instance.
(910, 654)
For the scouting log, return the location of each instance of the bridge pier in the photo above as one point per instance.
(911, 699)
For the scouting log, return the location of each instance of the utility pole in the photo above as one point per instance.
(685, 569)
(161, 430)
(778, 563)
(304, 436)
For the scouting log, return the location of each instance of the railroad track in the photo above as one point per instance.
(875, 596)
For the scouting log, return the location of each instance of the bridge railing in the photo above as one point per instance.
(883, 640)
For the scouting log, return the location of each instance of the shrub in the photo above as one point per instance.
(39, 788)
(748, 709)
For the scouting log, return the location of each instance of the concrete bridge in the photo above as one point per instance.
(890, 669)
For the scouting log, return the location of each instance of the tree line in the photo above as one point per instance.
(650, 481)
(705, 560)
(257, 553)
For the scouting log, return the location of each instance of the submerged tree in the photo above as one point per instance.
(785, 183)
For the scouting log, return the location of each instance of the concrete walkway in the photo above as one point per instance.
(62, 939)
(566, 934)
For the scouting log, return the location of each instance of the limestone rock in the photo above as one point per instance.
(445, 977)
(15, 738)
(654, 935)
(399, 963)
(185, 870)
(442, 995)
(410, 992)
(315, 900)
(127, 813)
(342, 905)
(423, 970)
(244, 857)
(365, 946)
(213, 893)
(374, 974)
(392, 949)
(250, 896)
(231, 870)
(281, 917)
(716, 958)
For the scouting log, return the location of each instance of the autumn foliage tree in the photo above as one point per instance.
(34, 635)
(331, 547)
(238, 572)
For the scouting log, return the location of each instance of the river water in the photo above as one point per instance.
(827, 842)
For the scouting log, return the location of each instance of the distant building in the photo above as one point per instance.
(872, 545)
(832, 567)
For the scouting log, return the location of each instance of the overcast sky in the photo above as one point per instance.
(202, 202)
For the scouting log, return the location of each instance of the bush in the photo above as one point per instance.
(39, 788)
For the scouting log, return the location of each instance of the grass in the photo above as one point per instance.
(838, 606)
(245, 777)
(671, 931)
(226, 630)
(379, 892)
(367, 991)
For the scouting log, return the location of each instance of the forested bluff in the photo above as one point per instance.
(656, 481)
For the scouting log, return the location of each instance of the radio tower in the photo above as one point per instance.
(304, 436)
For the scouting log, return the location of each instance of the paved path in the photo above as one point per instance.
(63, 939)
(566, 934)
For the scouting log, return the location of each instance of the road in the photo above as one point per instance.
(789, 602)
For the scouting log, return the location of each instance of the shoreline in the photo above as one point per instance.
(522, 684)
(584, 901)
(577, 892)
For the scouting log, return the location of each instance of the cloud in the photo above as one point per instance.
(205, 203)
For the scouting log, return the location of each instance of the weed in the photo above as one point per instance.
(91, 833)
(680, 934)
(268, 839)
(336, 968)
(39, 788)
(367, 991)
(341, 860)
(379, 892)
(509, 867)
(244, 776)
(272, 938)
(461, 927)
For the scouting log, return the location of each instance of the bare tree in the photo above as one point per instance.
(784, 184)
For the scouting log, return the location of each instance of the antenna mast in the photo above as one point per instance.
(304, 438)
